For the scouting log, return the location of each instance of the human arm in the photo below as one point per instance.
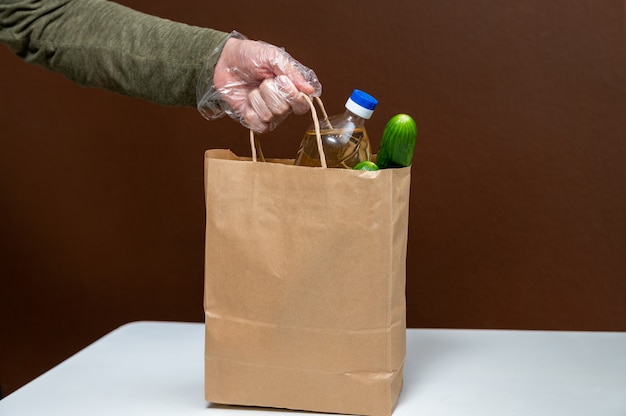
(97, 43)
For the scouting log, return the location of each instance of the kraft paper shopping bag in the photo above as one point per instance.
(304, 285)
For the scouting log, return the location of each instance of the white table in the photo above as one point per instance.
(156, 368)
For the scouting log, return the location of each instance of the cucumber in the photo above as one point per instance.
(366, 165)
(398, 142)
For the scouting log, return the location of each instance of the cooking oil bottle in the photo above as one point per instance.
(344, 137)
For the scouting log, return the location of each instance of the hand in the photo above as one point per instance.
(259, 84)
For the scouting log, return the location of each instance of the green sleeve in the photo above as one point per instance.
(97, 43)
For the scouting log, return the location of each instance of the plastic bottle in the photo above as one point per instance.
(344, 137)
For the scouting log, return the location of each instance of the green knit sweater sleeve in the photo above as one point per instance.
(98, 43)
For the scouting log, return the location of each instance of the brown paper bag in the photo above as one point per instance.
(304, 285)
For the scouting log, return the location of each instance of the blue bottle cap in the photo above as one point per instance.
(361, 104)
(364, 99)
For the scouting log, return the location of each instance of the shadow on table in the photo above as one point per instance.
(253, 409)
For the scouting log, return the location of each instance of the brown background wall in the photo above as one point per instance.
(519, 186)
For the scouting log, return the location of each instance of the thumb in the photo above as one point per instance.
(303, 78)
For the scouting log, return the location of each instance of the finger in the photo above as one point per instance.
(234, 94)
(252, 121)
(273, 97)
(292, 95)
(300, 82)
(259, 105)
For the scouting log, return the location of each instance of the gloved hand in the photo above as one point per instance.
(255, 83)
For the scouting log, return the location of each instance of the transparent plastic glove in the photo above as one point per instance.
(255, 83)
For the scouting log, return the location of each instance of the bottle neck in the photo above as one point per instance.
(356, 119)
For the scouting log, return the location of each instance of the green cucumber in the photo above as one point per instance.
(398, 142)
